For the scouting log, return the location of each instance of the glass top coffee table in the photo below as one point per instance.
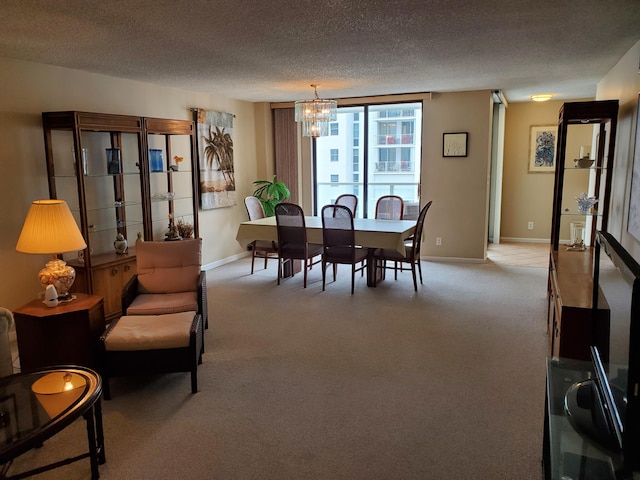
(35, 406)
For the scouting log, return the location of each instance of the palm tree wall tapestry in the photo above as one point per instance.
(215, 159)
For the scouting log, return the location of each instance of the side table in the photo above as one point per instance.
(36, 406)
(62, 335)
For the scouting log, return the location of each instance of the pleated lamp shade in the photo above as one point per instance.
(50, 228)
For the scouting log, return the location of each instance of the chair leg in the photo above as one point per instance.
(353, 276)
(253, 258)
(266, 257)
(413, 274)
(420, 270)
(324, 273)
(280, 261)
(305, 272)
(335, 271)
(194, 379)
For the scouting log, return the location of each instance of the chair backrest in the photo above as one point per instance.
(168, 267)
(292, 232)
(350, 201)
(255, 210)
(338, 238)
(417, 236)
(390, 207)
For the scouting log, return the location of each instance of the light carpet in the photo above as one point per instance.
(446, 383)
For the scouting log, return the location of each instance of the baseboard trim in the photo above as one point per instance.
(525, 240)
(452, 259)
(224, 261)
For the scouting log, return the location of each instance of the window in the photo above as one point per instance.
(334, 154)
(333, 128)
(383, 144)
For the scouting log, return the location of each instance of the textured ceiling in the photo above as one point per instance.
(271, 50)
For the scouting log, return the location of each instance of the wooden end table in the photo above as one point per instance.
(64, 335)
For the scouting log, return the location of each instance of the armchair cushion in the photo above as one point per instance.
(168, 267)
(163, 303)
(149, 332)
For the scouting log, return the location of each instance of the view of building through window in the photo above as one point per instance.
(375, 151)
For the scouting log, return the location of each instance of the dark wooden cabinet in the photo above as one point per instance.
(121, 175)
(586, 131)
(62, 335)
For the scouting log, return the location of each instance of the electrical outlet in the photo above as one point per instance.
(438, 241)
(530, 225)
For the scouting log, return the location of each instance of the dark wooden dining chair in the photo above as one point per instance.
(338, 242)
(292, 239)
(259, 248)
(390, 207)
(350, 201)
(412, 251)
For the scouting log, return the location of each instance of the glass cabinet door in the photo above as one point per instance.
(112, 188)
(584, 182)
(171, 186)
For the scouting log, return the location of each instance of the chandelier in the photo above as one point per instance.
(316, 114)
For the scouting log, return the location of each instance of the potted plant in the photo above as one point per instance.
(270, 193)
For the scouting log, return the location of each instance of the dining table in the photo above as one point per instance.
(370, 233)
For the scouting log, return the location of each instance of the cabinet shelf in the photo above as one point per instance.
(578, 214)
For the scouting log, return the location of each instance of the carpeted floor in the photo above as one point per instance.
(446, 383)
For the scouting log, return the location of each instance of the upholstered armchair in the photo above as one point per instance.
(169, 279)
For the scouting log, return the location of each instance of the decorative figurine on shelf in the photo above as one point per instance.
(120, 244)
(172, 234)
(140, 238)
(178, 161)
(585, 203)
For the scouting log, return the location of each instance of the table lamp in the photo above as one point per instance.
(50, 228)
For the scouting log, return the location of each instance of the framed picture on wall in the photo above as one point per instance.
(455, 144)
(633, 225)
(542, 148)
(215, 158)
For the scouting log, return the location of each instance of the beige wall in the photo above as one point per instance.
(28, 89)
(459, 187)
(528, 197)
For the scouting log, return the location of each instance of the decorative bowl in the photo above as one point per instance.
(583, 162)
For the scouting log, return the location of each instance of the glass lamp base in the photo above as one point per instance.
(57, 273)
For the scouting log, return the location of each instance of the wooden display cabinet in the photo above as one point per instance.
(100, 165)
(572, 324)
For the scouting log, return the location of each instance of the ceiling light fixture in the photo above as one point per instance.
(316, 114)
(543, 97)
